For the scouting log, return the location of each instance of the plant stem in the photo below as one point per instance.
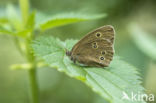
(32, 73)
(24, 6)
(33, 85)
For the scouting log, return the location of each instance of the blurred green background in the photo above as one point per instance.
(56, 87)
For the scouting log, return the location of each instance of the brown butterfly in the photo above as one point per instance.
(95, 49)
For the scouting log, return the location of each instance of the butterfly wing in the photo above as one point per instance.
(95, 49)
(104, 32)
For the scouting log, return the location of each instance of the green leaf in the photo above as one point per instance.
(47, 22)
(5, 29)
(31, 21)
(14, 17)
(108, 82)
(145, 42)
(29, 27)
(24, 33)
(20, 29)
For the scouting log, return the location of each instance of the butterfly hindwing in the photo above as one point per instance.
(95, 54)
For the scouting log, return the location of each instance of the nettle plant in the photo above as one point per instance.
(110, 83)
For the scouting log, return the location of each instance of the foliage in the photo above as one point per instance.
(22, 29)
(109, 82)
(46, 22)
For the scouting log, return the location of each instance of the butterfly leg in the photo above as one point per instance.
(73, 59)
(68, 53)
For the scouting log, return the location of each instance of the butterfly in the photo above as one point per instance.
(95, 49)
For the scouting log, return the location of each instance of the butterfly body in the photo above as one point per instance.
(95, 49)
